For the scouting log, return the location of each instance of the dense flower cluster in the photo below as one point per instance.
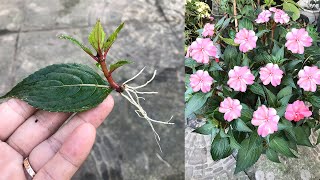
(240, 77)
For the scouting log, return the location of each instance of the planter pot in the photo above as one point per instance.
(312, 15)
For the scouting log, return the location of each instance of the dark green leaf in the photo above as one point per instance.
(239, 125)
(205, 129)
(189, 62)
(318, 140)
(288, 80)
(261, 33)
(284, 101)
(76, 42)
(281, 146)
(233, 142)
(272, 155)
(62, 88)
(215, 66)
(119, 64)
(257, 89)
(245, 23)
(249, 153)
(315, 101)
(230, 53)
(281, 110)
(220, 148)
(108, 43)
(272, 99)
(96, 37)
(302, 137)
(246, 112)
(284, 92)
(196, 102)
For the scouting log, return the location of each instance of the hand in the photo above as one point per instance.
(54, 152)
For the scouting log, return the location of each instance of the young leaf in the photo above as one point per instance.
(62, 88)
(119, 64)
(249, 153)
(96, 37)
(281, 146)
(229, 41)
(112, 38)
(220, 148)
(76, 42)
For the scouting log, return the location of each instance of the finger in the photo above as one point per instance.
(47, 149)
(35, 130)
(13, 113)
(71, 155)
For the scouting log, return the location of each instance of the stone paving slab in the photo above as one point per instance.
(7, 53)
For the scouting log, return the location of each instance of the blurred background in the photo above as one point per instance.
(125, 147)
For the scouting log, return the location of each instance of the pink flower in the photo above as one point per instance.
(297, 111)
(297, 39)
(239, 78)
(247, 39)
(264, 16)
(309, 78)
(280, 16)
(201, 80)
(202, 49)
(208, 30)
(188, 52)
(271, 73)
(267, 120)
(231, 109)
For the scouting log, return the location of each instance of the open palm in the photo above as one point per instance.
(55, 150)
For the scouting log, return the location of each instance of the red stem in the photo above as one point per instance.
(108, 75)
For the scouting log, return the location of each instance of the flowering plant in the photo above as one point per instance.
(253, 77)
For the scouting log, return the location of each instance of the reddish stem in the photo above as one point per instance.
(108, 75)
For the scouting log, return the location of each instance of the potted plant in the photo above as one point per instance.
(262, 96)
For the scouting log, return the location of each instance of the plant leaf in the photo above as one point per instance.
(272, 99)
(96, 37)
(315, 101)
(292, 8)
(76, 42)
(281, 146)
(196, 102)
(249, 153)
(284, 92)
(112, 38)
(257, 89)
(118, 64)
(272, 155)
(206, 129)
(229, 41)
(220, 148)
(239, 125)
(62, 88)
(302, 137)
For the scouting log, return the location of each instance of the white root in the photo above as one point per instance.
(131, 94)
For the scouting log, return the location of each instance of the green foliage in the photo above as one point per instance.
(76, 42)
(240, 134)
(62, 88)
(96, 37)
(119, 64)
(111, 39)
